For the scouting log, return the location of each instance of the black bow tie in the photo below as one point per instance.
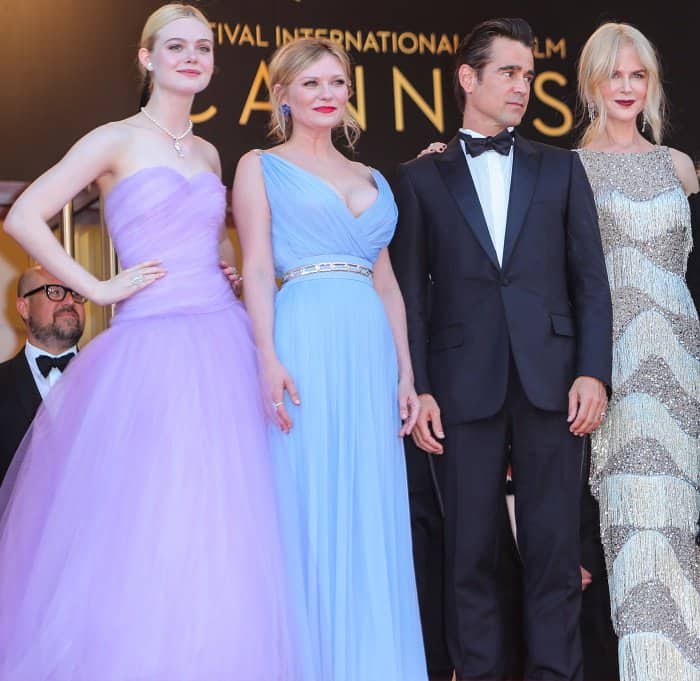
(478, 145)
(46, 362)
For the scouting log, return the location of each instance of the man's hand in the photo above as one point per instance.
(586, 578)
(428, 426)
(433, 148)
(587, 404)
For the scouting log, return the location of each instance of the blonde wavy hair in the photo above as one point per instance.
(597, 64)
(287, 62)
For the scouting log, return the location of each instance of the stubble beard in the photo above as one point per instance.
(65, 331)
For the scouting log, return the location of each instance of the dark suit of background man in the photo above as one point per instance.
(53, 329)
(515, 350)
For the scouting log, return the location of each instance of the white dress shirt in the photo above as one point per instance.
(491, 173)
(43, 383)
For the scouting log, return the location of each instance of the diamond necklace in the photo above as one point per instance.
(175, 138)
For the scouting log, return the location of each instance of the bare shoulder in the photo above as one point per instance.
(249, 193)
(107, 136)
(685, 169)
(248, 180)
(94, 154)
(249, 163)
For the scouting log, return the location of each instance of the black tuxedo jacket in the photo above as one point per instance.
(549, 304)
(19, 401)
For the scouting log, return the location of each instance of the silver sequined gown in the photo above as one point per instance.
(646, 455)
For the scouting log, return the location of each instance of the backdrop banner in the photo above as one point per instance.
(73, 67)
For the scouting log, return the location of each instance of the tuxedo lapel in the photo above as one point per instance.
(28, 393)
(526, 164)
(455, 173)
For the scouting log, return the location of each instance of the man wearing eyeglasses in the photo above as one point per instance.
(55, 317)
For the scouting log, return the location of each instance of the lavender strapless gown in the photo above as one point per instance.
(139, 538)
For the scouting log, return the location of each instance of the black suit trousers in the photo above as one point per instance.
(547, 468)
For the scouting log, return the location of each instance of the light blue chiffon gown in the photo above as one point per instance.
(340, 472)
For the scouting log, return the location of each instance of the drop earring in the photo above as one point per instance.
(644, 121)
(591, 111)
(149, 66)
(285, 109)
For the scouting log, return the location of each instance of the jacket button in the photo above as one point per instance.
(505, 281)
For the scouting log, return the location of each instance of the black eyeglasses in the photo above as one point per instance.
(57, 293)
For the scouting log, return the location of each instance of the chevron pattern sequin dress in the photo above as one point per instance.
(646, 455)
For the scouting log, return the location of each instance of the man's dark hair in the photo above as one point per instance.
(475, 48)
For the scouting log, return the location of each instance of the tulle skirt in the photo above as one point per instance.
(139, 535)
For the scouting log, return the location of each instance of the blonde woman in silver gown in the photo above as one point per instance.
(646, 455)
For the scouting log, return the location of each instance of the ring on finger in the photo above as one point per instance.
(276, 405)
(136, 279)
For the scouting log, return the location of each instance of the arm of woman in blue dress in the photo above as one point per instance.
(251, 213)
(227, 252)
(388, 290)
(92, 158)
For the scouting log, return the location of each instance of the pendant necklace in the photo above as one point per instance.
(177, 139)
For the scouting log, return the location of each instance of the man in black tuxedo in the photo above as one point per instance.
(54, 317)
(513, 354)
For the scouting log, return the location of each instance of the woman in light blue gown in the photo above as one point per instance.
(333, 348)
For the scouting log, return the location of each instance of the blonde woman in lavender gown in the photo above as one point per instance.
(139, 537)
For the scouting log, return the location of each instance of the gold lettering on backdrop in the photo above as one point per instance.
(445, 46)
(247, 36)
(402, 84)
(553, 48)
(283, 35)
(550, 48)
(359, 112)
(384, 37)
(259, 41)
(353, 42)
(336, 35)
(408, 43)
(556, 104)
(232, 35)
(239, 34)
(252, 103)
(536, 49)
(378, 42)
(427, 43)
(371, 44)
(383, 41)
(205, 115)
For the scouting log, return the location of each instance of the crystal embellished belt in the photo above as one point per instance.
(318, 267)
